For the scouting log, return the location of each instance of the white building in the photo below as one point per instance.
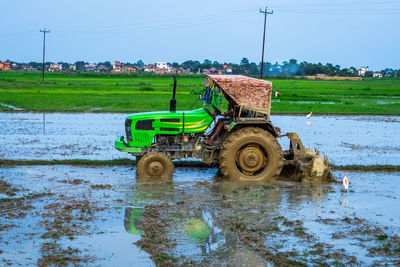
(55, 67)
(378, 74)
(90, 67)
(362, 71)
(162, 65)
(149, 68)
(118, 67)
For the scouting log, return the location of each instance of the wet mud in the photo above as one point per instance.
(65, 215)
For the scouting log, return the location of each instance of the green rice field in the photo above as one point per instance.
(123, 93)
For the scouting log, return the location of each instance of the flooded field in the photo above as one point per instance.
(105, 216)
(360, 140)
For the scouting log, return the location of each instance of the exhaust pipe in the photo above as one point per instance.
(172, 104)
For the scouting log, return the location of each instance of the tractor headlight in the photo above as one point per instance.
(128, 129)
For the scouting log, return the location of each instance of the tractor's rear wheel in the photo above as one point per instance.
(155, 165)
(251, 154)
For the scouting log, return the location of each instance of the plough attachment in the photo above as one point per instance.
(303, 164)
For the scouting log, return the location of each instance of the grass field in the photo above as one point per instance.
(121, 93)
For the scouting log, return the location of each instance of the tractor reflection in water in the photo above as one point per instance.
(196, 234)
(196, 224)
(133, 221)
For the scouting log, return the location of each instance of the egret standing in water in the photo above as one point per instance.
(308, 117)
(345, 181)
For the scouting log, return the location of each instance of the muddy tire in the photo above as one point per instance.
(251, 154)
(155, 165)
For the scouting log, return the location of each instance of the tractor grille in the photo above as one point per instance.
(128, 129)
(142, 138)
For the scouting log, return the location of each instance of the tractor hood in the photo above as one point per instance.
(250, 93)
(141, 128)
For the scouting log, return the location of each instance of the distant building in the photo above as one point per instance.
(90, 67)
(102, 68)
(55, 67)
(149, 68)
(139, 69)
(5, 66)
(176, 70)
(30, 68)
(227, 69)
(212, 71)
(378, 74)
(118, 67)
(162, 65)
(130, 69)
(161, 70)
(362, 71)
(15, 66)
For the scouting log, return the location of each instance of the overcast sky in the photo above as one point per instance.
(344, 32)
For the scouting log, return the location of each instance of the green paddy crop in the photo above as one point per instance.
(131, 93)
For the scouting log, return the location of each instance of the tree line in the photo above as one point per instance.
(287, 68)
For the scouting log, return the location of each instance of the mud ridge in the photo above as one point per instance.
(197, 164)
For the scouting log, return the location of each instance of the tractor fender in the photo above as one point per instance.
(261, 123)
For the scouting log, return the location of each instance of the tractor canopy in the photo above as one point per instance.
(249, 93)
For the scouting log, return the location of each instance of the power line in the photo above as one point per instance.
(347, 3)
(342, 10)
(266, 13)
(349, 7)
(18, 36)
(157, 25)
(328, 12)
(44, 49)
(153, 23)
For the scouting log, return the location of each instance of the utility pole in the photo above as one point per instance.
(266, 13)
(44, 49)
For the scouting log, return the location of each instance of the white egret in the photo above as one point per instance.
(345, 181)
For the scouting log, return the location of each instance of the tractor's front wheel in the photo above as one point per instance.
(155, 165)
(251, 154)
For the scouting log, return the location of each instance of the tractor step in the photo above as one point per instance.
(122, 146)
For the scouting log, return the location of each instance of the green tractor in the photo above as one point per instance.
(232, 130)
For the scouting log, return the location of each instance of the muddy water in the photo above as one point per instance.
(364, 140)
(59, 136)
(104, 216)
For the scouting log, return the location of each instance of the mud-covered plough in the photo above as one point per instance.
(304, 164)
